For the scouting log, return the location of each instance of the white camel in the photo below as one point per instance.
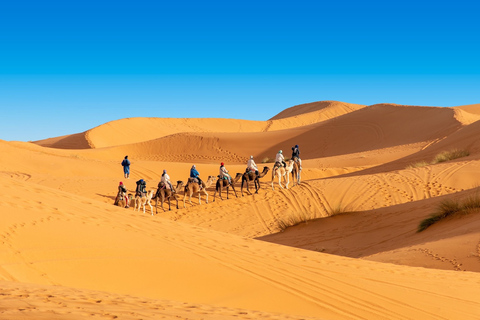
(282, 172)
(144, 200)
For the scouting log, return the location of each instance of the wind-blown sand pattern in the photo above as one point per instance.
(67, 253)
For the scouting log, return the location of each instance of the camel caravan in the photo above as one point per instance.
(166, 192)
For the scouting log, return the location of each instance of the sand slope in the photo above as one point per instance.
(105, 248)
(66, 252)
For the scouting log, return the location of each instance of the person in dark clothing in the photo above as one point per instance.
(141, 188)
(195, 174)
(126, 167)
(296, 155)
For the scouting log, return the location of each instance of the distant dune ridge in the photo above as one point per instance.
(67, 253)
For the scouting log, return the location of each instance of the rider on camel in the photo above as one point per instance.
(122, 191)
(195, 174)
(296, 154)
(224, 173)
(280, 159)
(166, 180)
(141, 190)
(252, 166)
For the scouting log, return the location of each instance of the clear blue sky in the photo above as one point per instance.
(68, 66)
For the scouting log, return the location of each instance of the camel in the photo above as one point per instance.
(296, 172)
(249, 176)
(284, 172)
(224, 183)
(192, 186)
(167, 194)
(121, 199)
(144, 200)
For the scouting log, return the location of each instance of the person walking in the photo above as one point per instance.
(126, 167)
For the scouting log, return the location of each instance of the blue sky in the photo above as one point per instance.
(68, 66)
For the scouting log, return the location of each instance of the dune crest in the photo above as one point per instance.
(329, 109)
(468, 115)
(72, 141)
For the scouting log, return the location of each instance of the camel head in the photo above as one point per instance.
(238, 176)
(180, 185)
(264, 172)
(210, 180)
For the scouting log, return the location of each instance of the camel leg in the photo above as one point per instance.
(274, 172)
(151, 208)
(206, 196)
(280, 181)
(287, 178)
(219, 189)
(163, 200)
(176, 199)
(199, 197)
(248, 189)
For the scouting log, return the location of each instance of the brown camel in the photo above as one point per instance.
(122, 199)
(280, 171)
(296, 172)
(192, 186)
(224, 183)
(249, 176)
(165, 193)
(144, 200)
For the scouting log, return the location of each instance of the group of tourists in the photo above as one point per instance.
(280, 159)
(141, 188)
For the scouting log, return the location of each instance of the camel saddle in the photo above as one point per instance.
(194, 180)
(251, 171)
(162, 185)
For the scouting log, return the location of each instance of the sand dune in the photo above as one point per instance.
(135, 130)
(67, 253)
(471, 108)
(73, 141)
(329, 109)
(371, 128)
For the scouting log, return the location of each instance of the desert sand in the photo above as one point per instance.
(352, 250)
